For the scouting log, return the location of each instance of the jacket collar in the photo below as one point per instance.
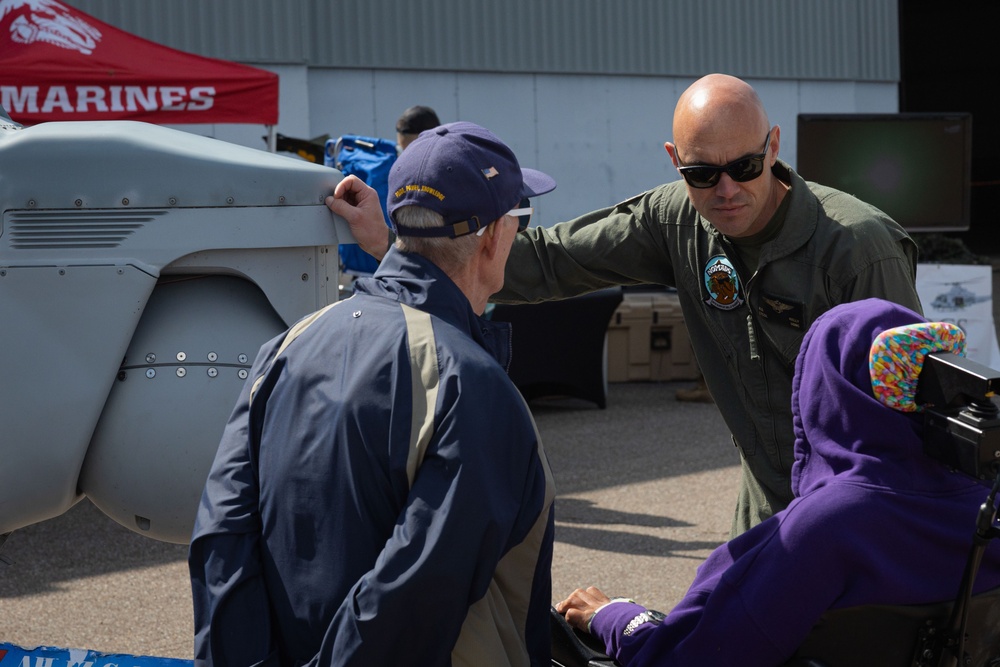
(413, 280)
(801, 217)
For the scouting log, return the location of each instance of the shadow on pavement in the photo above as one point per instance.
(644, 434)
(83, 542)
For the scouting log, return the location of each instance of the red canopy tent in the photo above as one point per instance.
(58, 63)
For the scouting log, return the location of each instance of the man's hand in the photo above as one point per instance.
(359, 205)
(581, 606)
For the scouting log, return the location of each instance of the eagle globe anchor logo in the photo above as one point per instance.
(49, 22)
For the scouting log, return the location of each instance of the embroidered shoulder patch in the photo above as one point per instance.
(722, 283)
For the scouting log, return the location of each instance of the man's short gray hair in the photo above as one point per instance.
(446, 252)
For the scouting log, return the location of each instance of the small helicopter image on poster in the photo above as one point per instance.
(958, 297)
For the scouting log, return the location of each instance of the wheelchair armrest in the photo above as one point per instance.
(571, 648)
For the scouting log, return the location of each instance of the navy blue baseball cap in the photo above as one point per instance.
(466, 174)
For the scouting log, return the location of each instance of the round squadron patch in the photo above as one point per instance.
(722, 283)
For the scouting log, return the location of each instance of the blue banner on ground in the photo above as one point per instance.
(50, 656)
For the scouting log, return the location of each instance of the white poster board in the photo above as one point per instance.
(963, 295)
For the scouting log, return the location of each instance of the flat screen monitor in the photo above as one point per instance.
(914, 166)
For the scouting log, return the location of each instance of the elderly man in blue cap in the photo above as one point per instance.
(380, 495)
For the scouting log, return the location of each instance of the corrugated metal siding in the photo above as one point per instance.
(260, 31)
(787, 39)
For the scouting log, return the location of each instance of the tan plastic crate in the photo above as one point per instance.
(647, 340)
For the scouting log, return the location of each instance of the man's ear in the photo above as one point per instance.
(672, 152)
(491, 239)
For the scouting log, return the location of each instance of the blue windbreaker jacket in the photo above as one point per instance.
(380, 495)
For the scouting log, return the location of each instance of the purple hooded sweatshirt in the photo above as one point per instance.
(874, 521)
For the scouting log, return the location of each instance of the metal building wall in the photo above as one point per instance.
(788, 39)
(583, 89)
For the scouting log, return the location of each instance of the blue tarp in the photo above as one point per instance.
(370, 159)
(50, 656)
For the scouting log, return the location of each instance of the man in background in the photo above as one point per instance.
(414, 120)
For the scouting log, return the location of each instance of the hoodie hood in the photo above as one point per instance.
(841, 429)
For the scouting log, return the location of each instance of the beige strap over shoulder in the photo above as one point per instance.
(424, 380)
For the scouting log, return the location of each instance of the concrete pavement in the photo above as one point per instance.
(646, 490)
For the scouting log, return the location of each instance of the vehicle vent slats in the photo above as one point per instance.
(66, 229)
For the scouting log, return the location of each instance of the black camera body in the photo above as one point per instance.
(961, 418)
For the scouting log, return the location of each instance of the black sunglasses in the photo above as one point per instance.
(742, 170)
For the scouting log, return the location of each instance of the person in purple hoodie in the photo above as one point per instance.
(874, 520)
